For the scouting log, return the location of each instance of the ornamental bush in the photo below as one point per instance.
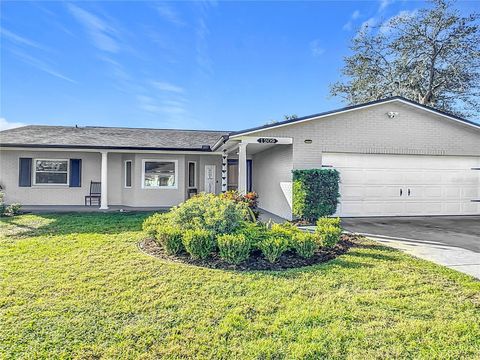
(250, 199)
(199, 243)
(273, 247)
(170, 238)
(305, 244)
(327, 221)
(153, 222)
(315, 193)
(213, 213)
(254, 232)
(329, 235)
(233, 248)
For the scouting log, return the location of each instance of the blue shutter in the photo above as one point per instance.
(75, 172)
(25, 172)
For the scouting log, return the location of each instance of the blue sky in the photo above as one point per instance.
(197, 65)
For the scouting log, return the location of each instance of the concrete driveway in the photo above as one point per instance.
(452, 241)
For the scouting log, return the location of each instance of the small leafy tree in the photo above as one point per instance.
(431, 56)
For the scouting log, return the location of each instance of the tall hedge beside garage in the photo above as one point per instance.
(315, 193)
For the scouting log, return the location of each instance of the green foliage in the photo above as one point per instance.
(8, 210)
(12, 209)
(250, 199)
(285, 230)
(305, 244)
(153, 222)
(253, 231)
(315, 193)
(199, 243)
(170, 238)
(234, 248)
(329, 235)
(209, 212)
(327, 221)
(273, 247)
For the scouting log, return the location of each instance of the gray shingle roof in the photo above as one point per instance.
(113, 138)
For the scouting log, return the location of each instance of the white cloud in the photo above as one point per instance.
(20, 40)
(167, 13)
(41, 65)
(384, 4)
(5, 124)
(349, 25)
(166, 86)
(101, 33)
(316, 48)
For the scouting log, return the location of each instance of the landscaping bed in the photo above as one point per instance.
(256, 261)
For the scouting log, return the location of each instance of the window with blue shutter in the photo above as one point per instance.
(75, 172)
(25, 172)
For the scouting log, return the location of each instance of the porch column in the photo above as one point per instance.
(224, 171)
(242, 168)
(104, 180)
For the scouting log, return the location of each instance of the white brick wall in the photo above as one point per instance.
(412, 131)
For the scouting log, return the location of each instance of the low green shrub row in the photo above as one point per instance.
(271, 240)
(207, 224)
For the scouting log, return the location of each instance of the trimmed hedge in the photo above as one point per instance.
(170, 237)
(315, 193)
(233, 248)
(199, 243)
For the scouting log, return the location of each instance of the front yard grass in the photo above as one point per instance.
(76, 286)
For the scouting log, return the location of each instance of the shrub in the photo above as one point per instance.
(286, 230)
(199, 243)
(209, 212)
(13, 209)
(249, 199)
(315, 193)
(153, 222)
(273, 247)
(329, 235)
(305, 244)
(326, 221)
(253, 232)
(234, 248)
(8, 210)
(170, 238)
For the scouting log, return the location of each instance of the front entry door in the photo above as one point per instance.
(210, 171)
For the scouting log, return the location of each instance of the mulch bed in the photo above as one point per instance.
(256, 261)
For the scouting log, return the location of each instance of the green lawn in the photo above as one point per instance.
(76, 286)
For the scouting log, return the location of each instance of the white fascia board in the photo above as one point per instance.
(33, 149)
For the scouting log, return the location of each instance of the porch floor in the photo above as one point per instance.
(82, 208)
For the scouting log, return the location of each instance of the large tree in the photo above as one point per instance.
(431, 56)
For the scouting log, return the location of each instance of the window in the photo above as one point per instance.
(51, 172)
(159, 174)
(128, 173)
(192, 174)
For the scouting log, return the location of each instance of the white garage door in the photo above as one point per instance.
(395, 185)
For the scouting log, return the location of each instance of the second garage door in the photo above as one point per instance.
(404, 185)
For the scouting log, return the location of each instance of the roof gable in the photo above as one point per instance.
(353, 108)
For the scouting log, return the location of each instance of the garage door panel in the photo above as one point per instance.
(439, 185)
(470, 192)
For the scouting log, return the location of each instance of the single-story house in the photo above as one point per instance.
(395, 157)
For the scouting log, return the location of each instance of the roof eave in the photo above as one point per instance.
(91, 147)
